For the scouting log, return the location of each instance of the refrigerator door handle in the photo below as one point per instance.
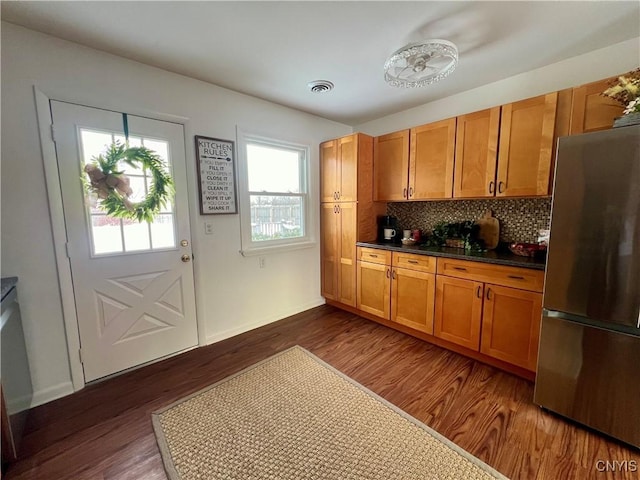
(638, 324)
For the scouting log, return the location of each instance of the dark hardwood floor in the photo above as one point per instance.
(104, 431)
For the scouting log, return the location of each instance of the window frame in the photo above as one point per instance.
(250, 247)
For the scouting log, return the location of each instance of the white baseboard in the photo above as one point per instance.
(217, 337)
(47, 395)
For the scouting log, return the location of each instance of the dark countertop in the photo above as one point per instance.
(7, 285)
(498, 256)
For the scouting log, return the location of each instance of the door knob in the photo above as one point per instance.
(184, 243)
(185, 258)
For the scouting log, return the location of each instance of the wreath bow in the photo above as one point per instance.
(113, 188)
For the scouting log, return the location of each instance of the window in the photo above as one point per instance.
(112, 236)
(274, 195)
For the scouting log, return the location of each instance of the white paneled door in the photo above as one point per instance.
(132, 281)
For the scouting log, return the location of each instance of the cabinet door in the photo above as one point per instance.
(431, 160)
(526, 145)
(511, 325)
(458, 311)
(476, 154)
(412, 298)
(391, 166)
(348, 168)
(591, 111)
(330, 255)
(374, 283)
(328, 171)
(347, 246)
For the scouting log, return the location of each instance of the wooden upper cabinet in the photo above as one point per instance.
(328, 171)
(591, 111)
(339, 160)
(526, 145)
(348, 168)
(476, 154)
(391, 166)
(431, 160)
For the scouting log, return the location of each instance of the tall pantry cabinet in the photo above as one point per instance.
(347, 212)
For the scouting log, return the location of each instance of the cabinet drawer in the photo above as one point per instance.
(421, 263)
(374, 255)
(523, 278)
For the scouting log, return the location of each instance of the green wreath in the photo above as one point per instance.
(112, 186)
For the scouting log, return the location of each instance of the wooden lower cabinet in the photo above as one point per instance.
(496, 320)
(511, 325)
(412, 298)
(338, 273)
(374, 283)
(403, 295)
(458, 311)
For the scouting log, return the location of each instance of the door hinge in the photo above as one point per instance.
(53, 133)
(67, 250)
(80, 356)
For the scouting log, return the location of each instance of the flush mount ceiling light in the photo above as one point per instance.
(320, 86)
(420, 64)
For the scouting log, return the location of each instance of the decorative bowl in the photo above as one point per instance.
(527, 249)
(408, 241)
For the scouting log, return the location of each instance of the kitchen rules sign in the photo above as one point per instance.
(216, 175)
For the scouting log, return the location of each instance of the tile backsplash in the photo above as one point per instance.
(520, 218)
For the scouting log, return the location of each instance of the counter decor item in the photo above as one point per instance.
(456, 235)
(626, 91)
(528, 249)
(408, 241)
(489, 230)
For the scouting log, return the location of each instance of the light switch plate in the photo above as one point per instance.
(208, 228)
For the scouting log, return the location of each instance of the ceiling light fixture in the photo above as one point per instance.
(320, 86)
(420, 64)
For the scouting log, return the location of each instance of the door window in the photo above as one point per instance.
(110, 235)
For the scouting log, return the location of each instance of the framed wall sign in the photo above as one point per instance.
(216, 175)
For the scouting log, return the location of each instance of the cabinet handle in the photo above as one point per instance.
(404, 193)
(410, 192)
(460, 268)
(338, 208)
(335, 195)
(393, 275)
(515, 277)
(491, 186)
(338, 195)
(373, 255)
(415, 262)
(500, 185)
(479, 292)
(388, 273)
(488, 294)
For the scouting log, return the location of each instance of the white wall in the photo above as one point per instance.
(233, 294)
(596, 65)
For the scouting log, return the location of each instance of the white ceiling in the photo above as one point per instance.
(272, 50)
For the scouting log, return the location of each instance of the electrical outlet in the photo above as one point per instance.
(262, 262)
(208, 228)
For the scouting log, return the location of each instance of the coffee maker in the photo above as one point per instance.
(389, 223)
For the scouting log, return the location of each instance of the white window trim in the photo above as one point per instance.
(249, 247)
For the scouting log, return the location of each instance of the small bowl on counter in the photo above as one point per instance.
(408, 241)
(530, 250)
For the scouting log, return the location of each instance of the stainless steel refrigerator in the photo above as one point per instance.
(589, 358)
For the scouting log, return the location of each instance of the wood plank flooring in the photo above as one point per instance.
(104, 431)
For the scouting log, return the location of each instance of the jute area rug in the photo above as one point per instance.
(294, 417)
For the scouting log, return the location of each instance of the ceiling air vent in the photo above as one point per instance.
(320, 86)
